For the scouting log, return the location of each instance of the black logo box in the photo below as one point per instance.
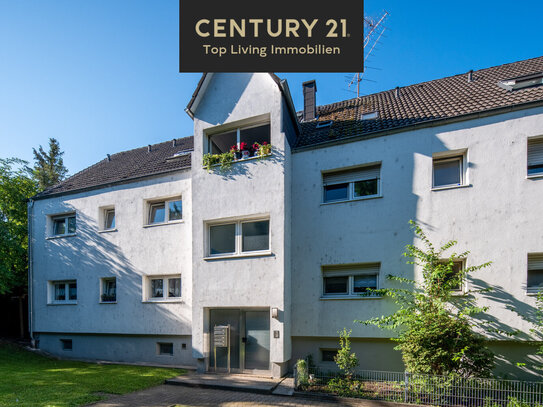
(336, 43)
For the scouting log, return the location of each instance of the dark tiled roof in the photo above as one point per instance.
(439, 99)
(128, 165)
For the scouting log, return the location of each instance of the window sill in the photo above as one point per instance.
(61, 236)
(534, 176)
(107, 302)
(107, 230)
(350, 297)
(62, 303)
(532, 292)
(163, 301)
(451, 187)
(173, 222)
(239, 256)
(363, 198)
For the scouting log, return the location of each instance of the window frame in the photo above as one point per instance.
(350, 271)
(237, 129)
(52, 292)
(107, 211)
(67, 344)
(159, 349)
(103, 282)
(536, 257)
(149, 204)
(463, 284)
(539, 173)
(323, 350)
(65, 217)
(238, 238)
(148, 292)
(351, 184)
(450, 156)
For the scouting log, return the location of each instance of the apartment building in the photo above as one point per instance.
(149, 256)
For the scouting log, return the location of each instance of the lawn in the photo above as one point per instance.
(31, 380)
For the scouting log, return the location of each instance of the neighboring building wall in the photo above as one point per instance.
(255, 187)
(130, 253)
(495, 217)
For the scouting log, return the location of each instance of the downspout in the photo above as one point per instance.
(30, 220)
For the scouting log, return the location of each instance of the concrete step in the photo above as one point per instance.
(236, 382)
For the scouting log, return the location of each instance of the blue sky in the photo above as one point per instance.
(101, 76)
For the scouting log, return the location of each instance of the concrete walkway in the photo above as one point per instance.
(167, 396)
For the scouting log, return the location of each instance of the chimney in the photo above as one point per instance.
(397, 92)
(174, 142)
(108, 157)
(310, 102)
(149, 148)
(470, 76)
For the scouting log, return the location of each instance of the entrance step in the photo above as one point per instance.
(236, 382)
(285, 387)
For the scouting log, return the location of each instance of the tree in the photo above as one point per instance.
(435, 328)
(49, 167)
(345, 359)
(16, 186)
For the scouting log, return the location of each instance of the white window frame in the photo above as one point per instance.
(450, 156)
(65, 216)
(51, 300)
(147, 288)
(350, 274)
(536, 257)
(105, 212)
(166, 202)
(238, 238)
(350, 188)
(103, 281)
(238, 130)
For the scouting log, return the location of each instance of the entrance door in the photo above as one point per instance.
(257, 342)
(249, 339)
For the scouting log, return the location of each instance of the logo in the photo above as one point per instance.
(274, 36)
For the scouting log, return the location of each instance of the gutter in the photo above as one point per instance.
(30, 220)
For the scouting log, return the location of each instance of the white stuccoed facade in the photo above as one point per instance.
(495, 216)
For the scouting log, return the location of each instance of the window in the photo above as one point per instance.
(358, 183)
(369, 116)
(328, 355)
(327, 123)
(448, 171)
(164, 287)
(165, 348)
(535, 156)
(458, 266)
(535, 273)
(522, 82)
(239, 237)
(109, 289)
(63, 225)
(223, 142)
(109, 219)
(165, 211)
(66, 344)
(350, 280)
(63, 292)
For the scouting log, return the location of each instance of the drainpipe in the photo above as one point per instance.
(30, 220)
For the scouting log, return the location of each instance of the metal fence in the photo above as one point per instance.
(422, 389)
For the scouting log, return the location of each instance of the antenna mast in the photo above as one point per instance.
(375, 29)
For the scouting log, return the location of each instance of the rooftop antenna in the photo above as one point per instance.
(374, 27)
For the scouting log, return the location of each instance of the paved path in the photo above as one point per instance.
(167, 395)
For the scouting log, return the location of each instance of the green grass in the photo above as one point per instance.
(31, 380)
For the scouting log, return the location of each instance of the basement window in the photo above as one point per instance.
(66, 344)
(328, 355)
(522, 82)
(165, 348)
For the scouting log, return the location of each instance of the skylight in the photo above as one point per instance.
(522, 82)
(370, 116)
(327, 123)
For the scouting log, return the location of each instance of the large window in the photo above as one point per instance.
(358, 183)
(249, 135)
(63, 225)
(164, 287)
(239, 237)
(535, 273)
(63, 292)
(165, 211)
(449, 171)
(535, 156)
(354, 280)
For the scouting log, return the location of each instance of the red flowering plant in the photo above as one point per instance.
(234, 148)
(243, 146)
